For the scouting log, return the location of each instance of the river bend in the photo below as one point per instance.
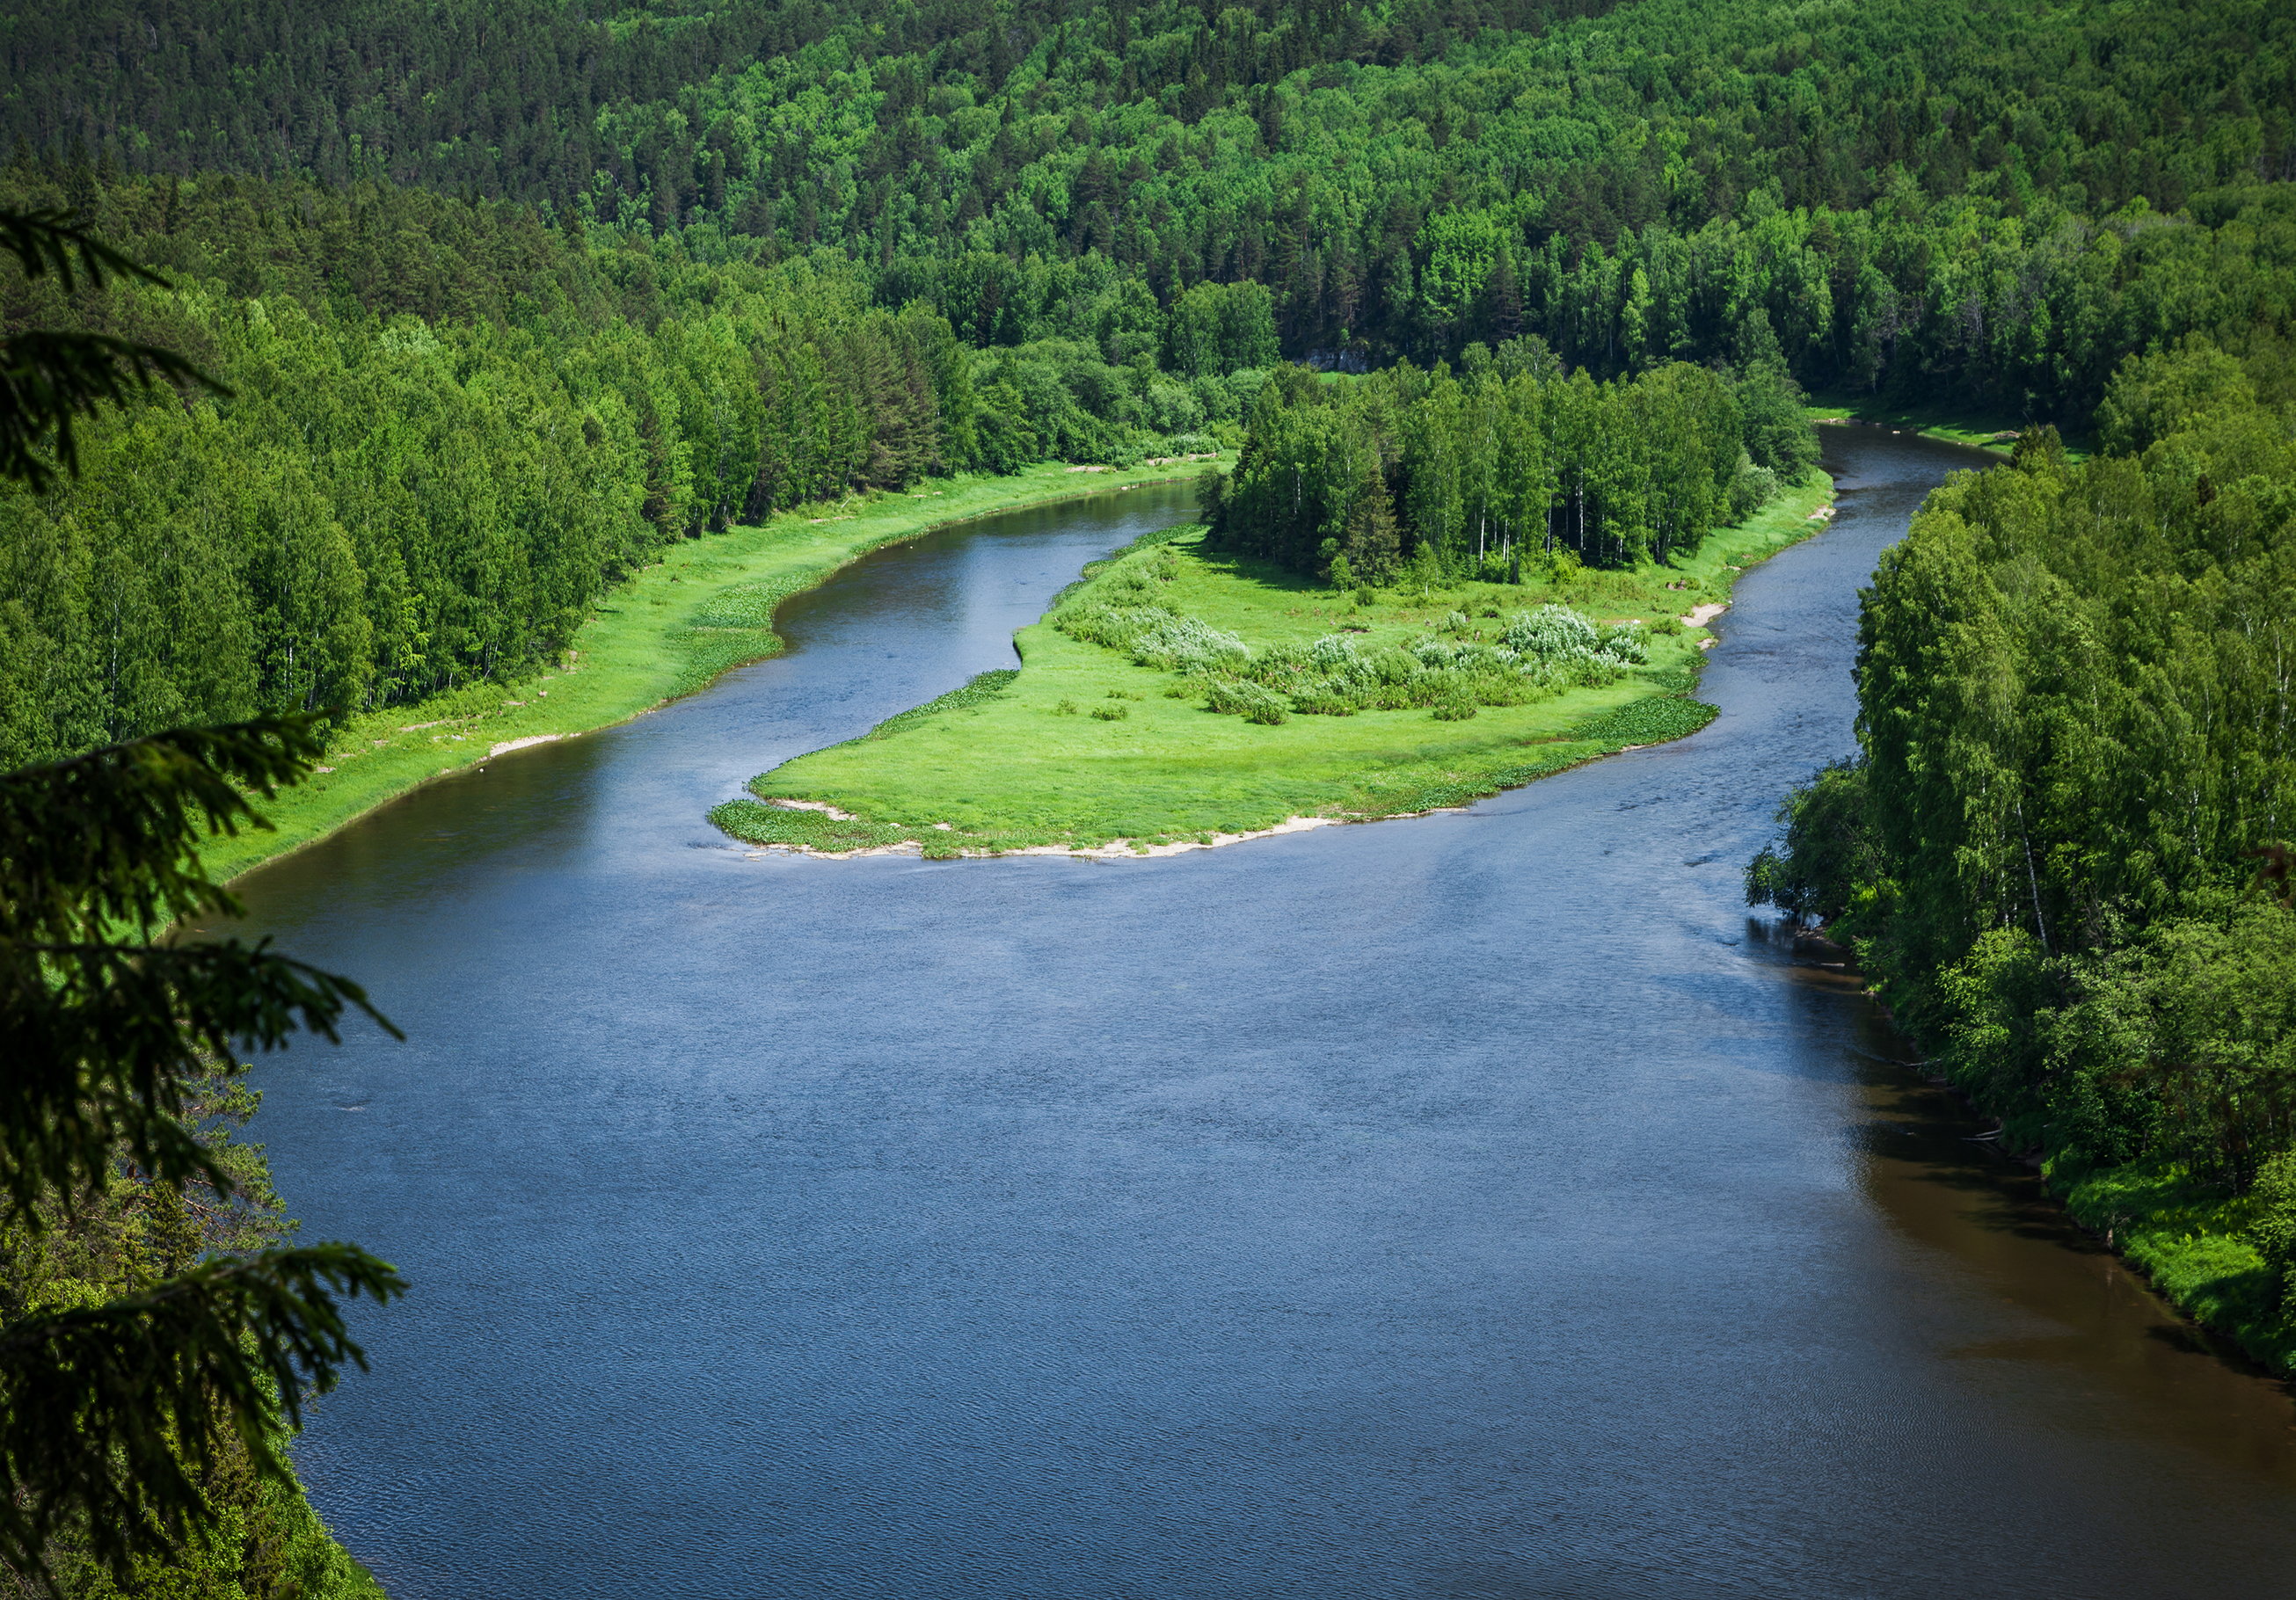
(1477, 1205)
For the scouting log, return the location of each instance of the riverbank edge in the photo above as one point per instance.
(1994, 433)
(2186, 1243)
(764, 822)
(761, 564)
(2189, 1246)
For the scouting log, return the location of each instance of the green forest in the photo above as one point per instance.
(1346, 482)
(136, 1233)
(2061, 852)
(504, 302)
(1954, 200)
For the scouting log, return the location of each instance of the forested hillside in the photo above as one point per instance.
(1957, 202)
(453, 427)
(505, 299)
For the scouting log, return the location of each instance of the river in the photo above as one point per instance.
(1484, 1205)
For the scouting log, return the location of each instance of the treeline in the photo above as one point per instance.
(1458, 473)
(451, 427)
(1945, 202)
(2077, 691)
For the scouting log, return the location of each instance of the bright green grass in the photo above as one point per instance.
(707, 608)
(2191, 1241)
(1995, 431)
(1026, 761)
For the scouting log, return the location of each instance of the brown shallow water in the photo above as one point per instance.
(1476, 1205)
(2131, 1365)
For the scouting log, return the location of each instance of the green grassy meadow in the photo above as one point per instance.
(706, 609)
(1081, 748)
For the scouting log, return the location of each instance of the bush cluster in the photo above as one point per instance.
(1540, 652)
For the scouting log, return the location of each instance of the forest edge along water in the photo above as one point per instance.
(1142, 1231)
(646, 644)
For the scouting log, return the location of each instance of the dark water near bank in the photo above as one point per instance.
(1479, 1205)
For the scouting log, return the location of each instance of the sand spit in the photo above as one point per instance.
(508, 744)
(1115, 849)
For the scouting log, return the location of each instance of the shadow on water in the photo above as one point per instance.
(1474, 1206)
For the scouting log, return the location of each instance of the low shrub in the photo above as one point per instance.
(1649, 722)
(1067, 707)
(1239, 697)
(1112, 714)
(1187, 644)
(1626, 643)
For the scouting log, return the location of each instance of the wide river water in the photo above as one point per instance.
(1483, 1204)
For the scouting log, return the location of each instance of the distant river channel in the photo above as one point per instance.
(1485, 1204)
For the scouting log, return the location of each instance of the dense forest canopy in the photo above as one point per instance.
(2076, 692)
(508, 299)
(1963, 201)
(1470, 473)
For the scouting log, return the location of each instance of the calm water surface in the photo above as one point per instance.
(1477, 1205)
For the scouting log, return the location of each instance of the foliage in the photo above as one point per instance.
(50, 380)
(1446, 473)
(125, 1402)
(1826, 857)
(701, 264)
(400, 502)
(2073, 689)
(119, 1242)
(1953, 201)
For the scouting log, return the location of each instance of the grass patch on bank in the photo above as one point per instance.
(1086, 746)
(707, 608)
(2191, 1241)
(1995, 431)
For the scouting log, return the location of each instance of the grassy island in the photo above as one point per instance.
(706, 608)
(1087, 747)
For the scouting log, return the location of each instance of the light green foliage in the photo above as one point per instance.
(2155, 395)
(2274, 1230)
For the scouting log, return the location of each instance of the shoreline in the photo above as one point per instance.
(645, 645)
(1995, 435)
(2176, 1241)
(767, 821)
